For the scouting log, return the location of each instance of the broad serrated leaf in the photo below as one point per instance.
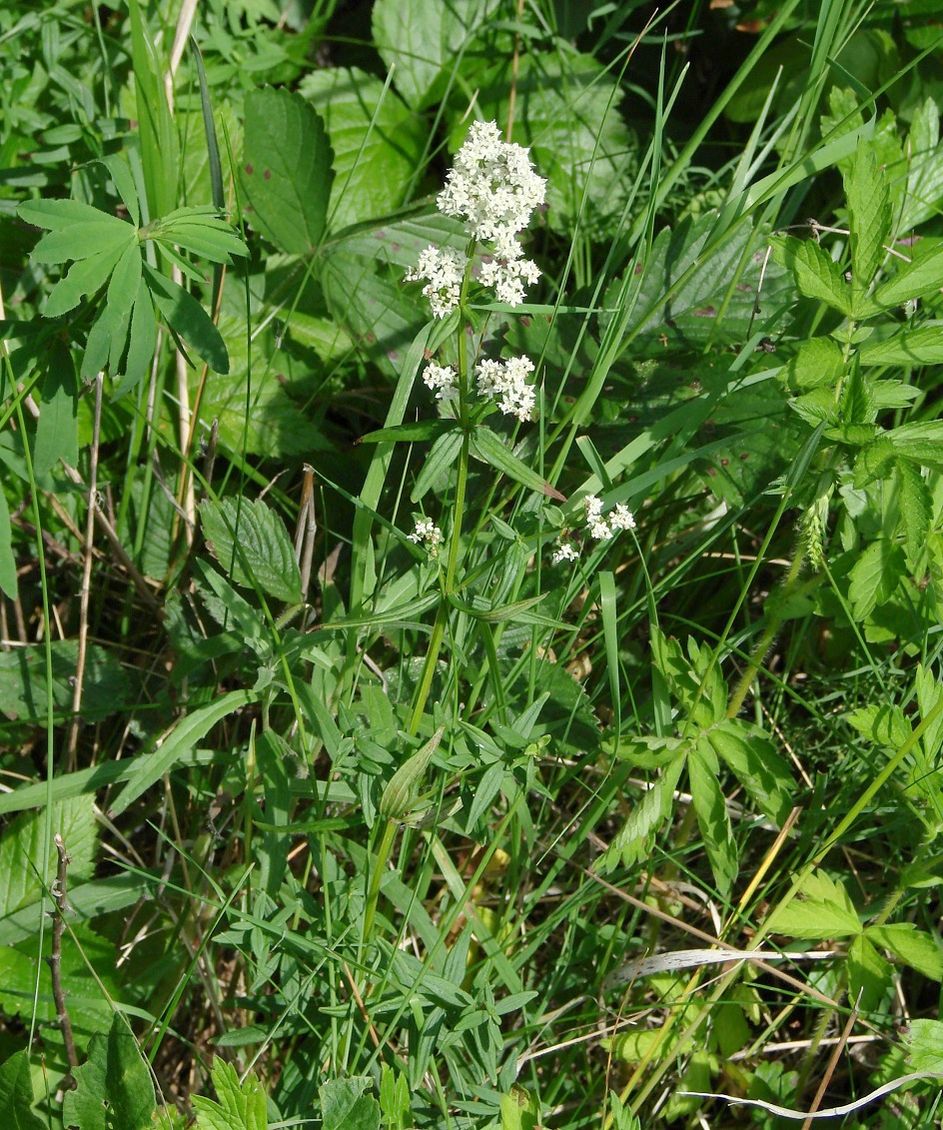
(286, 169)
(490, 448)
(187, 318)
(23, 851)
(914, 947)
(925, 166)
(757, 765)
(422, 40)
(712, 817)
(16, 1094)
(921, 442)
(250, 541)
(916, 511)
(924, 1040)
(23, 682)
(376, 140)
(821, 908)
(568, 115)
(875, 576)
(922, 345)
(241, 1106)
(917, 279)
(869, 975)
(88, 992)
(113, 1089)
(817, 275)
(346, 1105)
(254, 409)
(375, 308)
(869, 213)
(818, 363)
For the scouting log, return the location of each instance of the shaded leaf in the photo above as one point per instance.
(16, 1094)
(346, 1105)
(249, 540)
(113, 1088)
(712, 818)
(914, 947)
(241, 1106)
(376, 140)
(875, 576)
(187, 318)
(286, 169)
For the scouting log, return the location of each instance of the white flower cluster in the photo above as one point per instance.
(444, 267)
(506, 382)
(493, 188)
(427, 533)
(619, 518)
(600, 527)
(440, 379)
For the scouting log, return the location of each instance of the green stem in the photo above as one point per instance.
(766, 639)
(376, 875)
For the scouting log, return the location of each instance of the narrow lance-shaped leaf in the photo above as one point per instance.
(187, 318)
(489, 447)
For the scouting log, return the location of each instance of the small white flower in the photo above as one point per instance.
(440, 379)
(491, 185)
(619, 518)
(444, 268)
(622, 518)
(599, 528)
(427, 533)
(565, 551)
(507, 277)
(506, 382)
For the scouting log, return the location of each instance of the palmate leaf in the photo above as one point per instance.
(84, 279)
(712, 817)
(632, 843)
(914, 947)
(82, 241)
(187, 318)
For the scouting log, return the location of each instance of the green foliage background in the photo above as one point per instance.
(363, 837)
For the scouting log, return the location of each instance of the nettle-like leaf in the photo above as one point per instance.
(346, 1104)
(816, 274)
(113, 1089)
(569, 116)
(922, 276)
(913, 947)
(286, 169)
(422, 40)
(16, 1094)
(869, 213)
(377, 142)
(250, 539)
(241, 1106)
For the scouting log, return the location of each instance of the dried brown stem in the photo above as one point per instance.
(59, 897)
(85, 592)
